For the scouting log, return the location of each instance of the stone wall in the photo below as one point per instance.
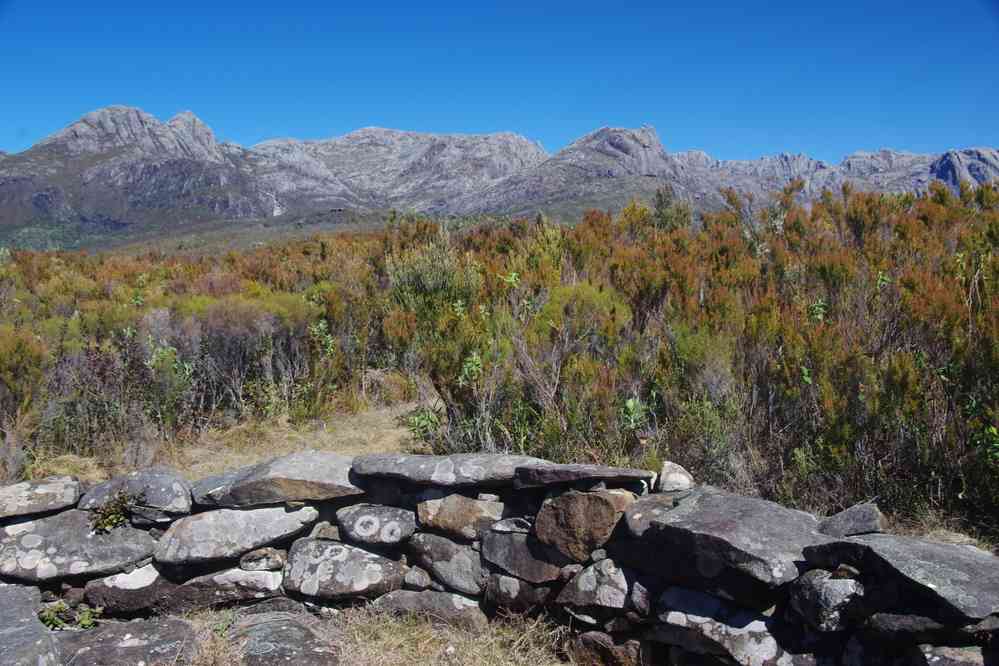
(646, 568)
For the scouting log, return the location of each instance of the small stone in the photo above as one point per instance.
(825, 602)
(263, 559)
(324, 529)
(440, 607)
(864, 518)
(458, 566)
(417, 579)
(488, 497)
(522, 556)
(673, 478)
(333, 571)
(376, 525)
(459, 517)
(602, 585)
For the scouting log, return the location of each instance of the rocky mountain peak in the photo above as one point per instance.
(972, 164)
(617, 151)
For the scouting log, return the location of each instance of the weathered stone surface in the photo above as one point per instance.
(375, 524)
(229, 533)
(952, 583)
(442, 607)
(24, 641)
(912, 629)
(865, 651)
(456, 565)
(603, 585)
(324, 529)
(522, 556)
(741, 547)
(64, 545)
(576, 523)
(417, 579)
(825, 602)
(595, 648)
(34, 497)
(673, 478)
(127, 593)
(534, 476)
(164, 495)
(331, 570)
(514, 594)
(462, 469)
(512, 525)
(160, 641)
(263, 559)
(278, 637)
(864, 518)
(458, 516)
(306, 475)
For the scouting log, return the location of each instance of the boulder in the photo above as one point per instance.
(263, 559)
(956, 584)
(441, 607)
(522, 556)
(536, 476)
(863, 518)
(163, 493)
(302, 476)
(598, 587)
(64, 545)
(457, 566)
(36, 497)
(227, 534)
(459, 517)
(333, 571)
(376, 525)
(25, 641)
(825, 602)
(673, 478)
(157, 641)
(514, 594)
(576, 523)
(461, 469)
(595, 648)
(279, 637)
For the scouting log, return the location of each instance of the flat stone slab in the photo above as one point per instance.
(64, 545)
(229, 533)
(331, 570)
(280, 638)
(456, 565)
(302, 476)
(440, 607)
(959, 582)
(522, 556)
(462, 469)
(536, 476)
(376, 524)
(157, 641)
(24, 641)
(34, 497)
(166, 495)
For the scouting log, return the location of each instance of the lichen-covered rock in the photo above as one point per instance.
(417, 579)
(36, 497)
(673, 478)
(514, 594)
(603, 586)
(64, 545)
(24, 641)
(460, 469)
(228, 533)
(954, 584)
(863, 518)
(279, 637)
(536, 476)
(595, 648)
(157, 641)
(263, 559)
(522, 556)
(457, 566)
(825, 602)
(376, 525)
(458, 516)
(163, 493)
(577, 523)
(302, 476)
(440, 607)
(331, 570)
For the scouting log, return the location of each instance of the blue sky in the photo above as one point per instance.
(738, 80)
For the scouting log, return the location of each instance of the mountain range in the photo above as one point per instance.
(118, 170)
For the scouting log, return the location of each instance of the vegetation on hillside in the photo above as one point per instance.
(817, 355)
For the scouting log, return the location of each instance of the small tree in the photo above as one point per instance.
(669, 212)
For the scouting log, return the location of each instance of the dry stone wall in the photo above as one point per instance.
(646, 568)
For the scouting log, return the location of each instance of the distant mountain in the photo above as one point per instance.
(119, 170)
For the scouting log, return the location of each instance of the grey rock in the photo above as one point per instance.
(164, 495)
(512, 526)
(64, 545)
(281, 637)
(441, 607)
(376, 525)
(229, 533)
(864, 651)
(334, 571)
(157, 641)
(595, 648)
(458, 516)
(514, 594)
(301, 476)
(417, 579)
(864, 518)
(263, 559)
(826, 602)
(324, 529)
(35, 497)
(25, 640)
(461, 469)
(522, 556)
(954, 583)
(673, 478)
(577, 523)
(536, 476)
(603, 585)
(457, 566)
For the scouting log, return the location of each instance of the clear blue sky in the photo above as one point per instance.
(737, 79)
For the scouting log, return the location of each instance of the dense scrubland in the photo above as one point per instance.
(817, 355)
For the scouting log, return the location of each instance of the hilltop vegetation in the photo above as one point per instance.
(818, 355)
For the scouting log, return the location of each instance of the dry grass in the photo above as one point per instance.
(937, 526)
(84, 468)
(214, 646)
